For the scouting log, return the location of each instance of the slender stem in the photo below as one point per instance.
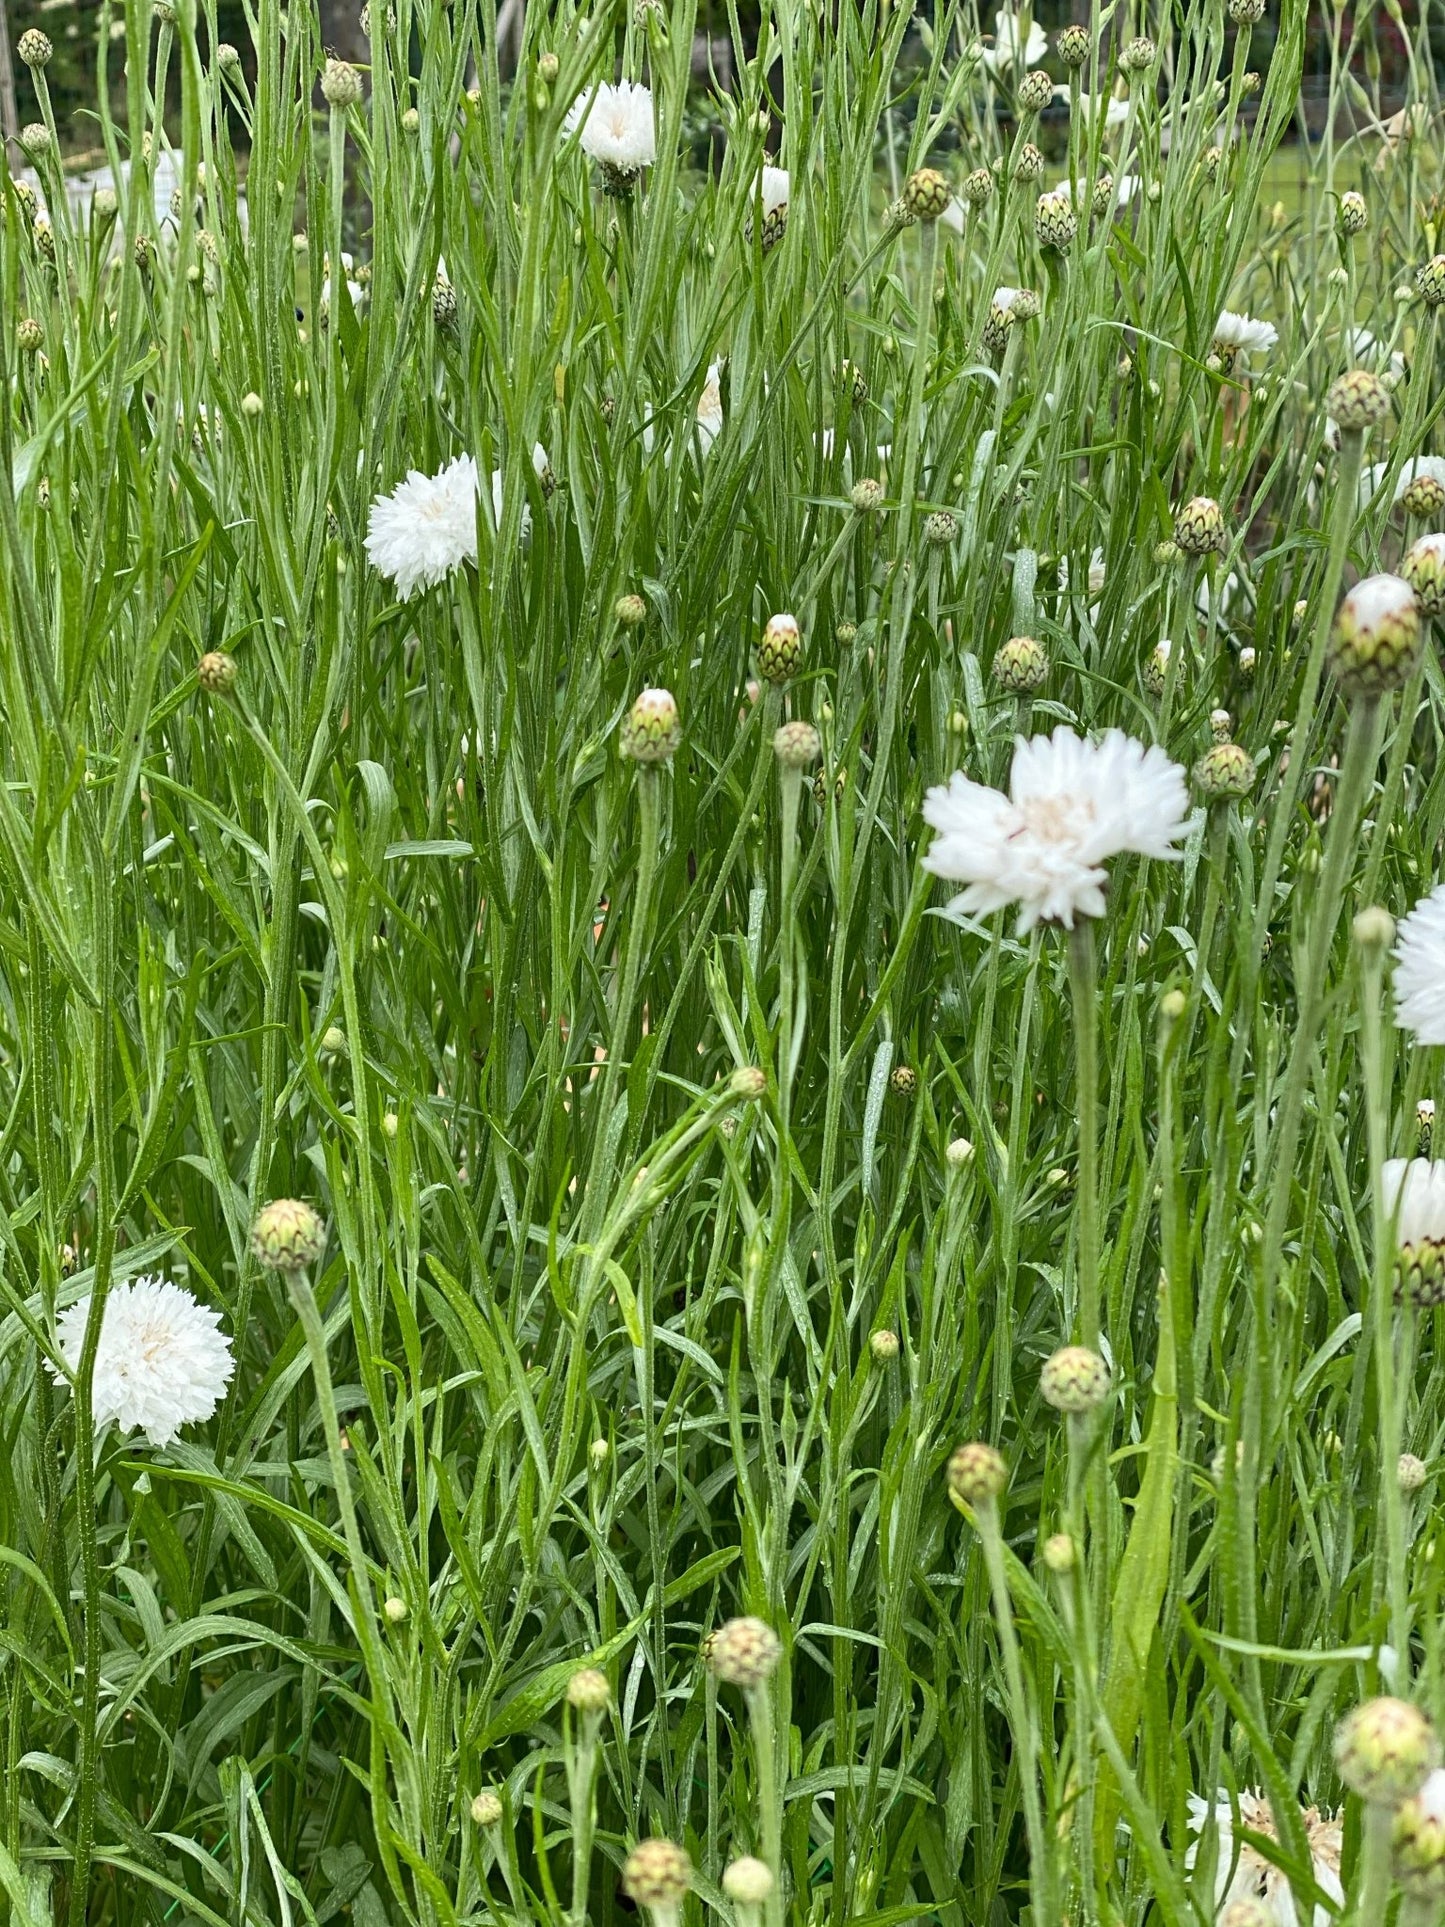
(1041, 1869)
(770, 1806)
(1306, 714)
(581, 1782)
(1375, 1863)
(1387, 1385)
(1360, 756)
(1083, 984)
(605, 1144)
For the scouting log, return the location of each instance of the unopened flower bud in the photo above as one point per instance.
(1373, 929)
(977, 1473)
(940, 528)
(629, 611)
(1029, 164)
(228, 60)
(1075, 1379)
(903, 1080)
(548, 67)
(656, 1874)
(29, 336)
(747, 1881)
(340, 84)
(884, 1346)
(780, 650)
(744, 1652)
(487, 1810)
(977, 186)
(1358, 400)
(1058, 1552)
(1424, 569)
(959, 1154)
(866, 495)
(1199, 527)
(1410, 1472)
(252, 405)
(1425, 1124)
(926, 194)
(1156, 666)
(599, 1451)
(287, 1235)
(1417, 1840)
(1138, 55)
(1375, 642)
(588, 1692)
(35, 140)
(394, 1611)
(1073, 45)
(1036, 90)
(1224, 772)
(1424, 497)
(1021, 665)
(651, 730)
(1354, 215)
(216, 672)
(34, 48)
(1055, 223)
(1430, 282)
(1247, 660)
(797, 745)
(1384, 1749)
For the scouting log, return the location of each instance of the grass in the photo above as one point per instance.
(591, 1362)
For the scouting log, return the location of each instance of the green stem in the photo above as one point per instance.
(770, 1806)
(1387, 1385)
(1375, 1863)
(1041, 1869)
(1360, 756)
(607, 1140)
(1083, 985)
(1307, 712)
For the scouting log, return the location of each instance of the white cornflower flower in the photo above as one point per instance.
(1010, 52)
(1072, 804)
(773, 187)
(1243, 1873)
(709, 408)
(615, 126)
(1420, 970)
(1115, 114)
(1414, 1195)
(163, 1360)
(1237, 336)
(426, 527)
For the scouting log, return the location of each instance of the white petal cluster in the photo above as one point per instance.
(1420, 970)
(709, 408)
(773, 185)
(1414, 1191)
(163, 1360)
(1010, 52)
(1072, 805)
(426, 527)
(616, 126)
(1243, 334)
(1115, 114)
(1243, 1873)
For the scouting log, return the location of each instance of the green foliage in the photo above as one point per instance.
(591, 1361)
